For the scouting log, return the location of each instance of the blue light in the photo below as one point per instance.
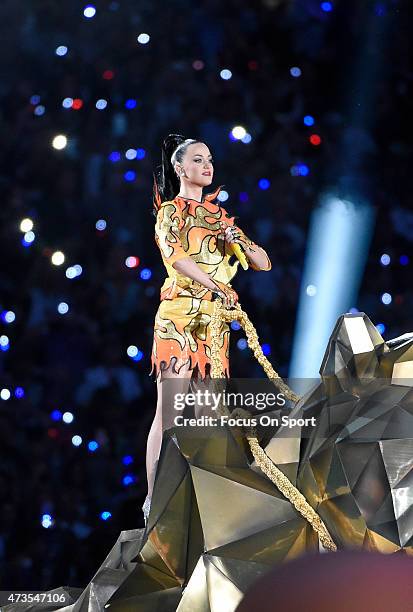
(138, 356)
(8, 316)
(19, 392)
(62, 308)
(131, 103)
(61, 50)
(386, 298)
(225, 74)
(101, 225)
(25, 243)
(34, 99)
(140, 153)
(127, 480)
(105, 515)
(4, 347)
(127, 460)
(131, 154)
(326, 6)
(93, 445)
(266, 349)
(101, 104)
(385, 259)
(29, 237)
(299, 170)
(235, 325)
(132, 350)
(47, 521)
(56, 415)
(404, 260)
(308, 120)
(295, 71)
(114, 156)
(381, 328)
(263, 183)
(243, 196)
(130, 175)
(380, 9)
(242, 344)
(146, 274)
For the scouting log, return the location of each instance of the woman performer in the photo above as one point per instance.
(195, 238)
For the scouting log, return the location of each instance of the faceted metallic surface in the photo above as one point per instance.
(356, 466)
(217, 523)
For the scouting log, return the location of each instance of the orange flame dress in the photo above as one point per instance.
(186, 227)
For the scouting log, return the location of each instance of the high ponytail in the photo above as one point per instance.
(165, 181)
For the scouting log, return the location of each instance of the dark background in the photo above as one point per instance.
(356, 81)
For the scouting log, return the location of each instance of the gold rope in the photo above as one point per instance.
(220, 314)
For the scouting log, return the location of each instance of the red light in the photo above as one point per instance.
(77, 103)
(52, 432)
(252, 65)
(132, 262)
(315, 139)
(108, 75)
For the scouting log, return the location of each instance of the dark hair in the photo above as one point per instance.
(165, 181)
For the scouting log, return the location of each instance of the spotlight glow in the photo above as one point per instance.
(101, 104)
(57, 258)
(59, 142)
(8, 316)
(26, 225)
(89, 11)
(385, 259)
(225, 74)
(5, 394)
(62, 308)
(77, 440)
(132, 262)
(143, 38)
(29, 237)
(238, 132)
(223, 196)
(132, 350)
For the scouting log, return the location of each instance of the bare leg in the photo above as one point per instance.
(165, 414)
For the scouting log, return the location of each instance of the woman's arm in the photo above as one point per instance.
(257, 257)
(188, 267)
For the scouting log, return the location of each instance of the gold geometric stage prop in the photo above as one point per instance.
(218, 518)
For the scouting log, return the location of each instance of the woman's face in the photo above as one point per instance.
(197, 163)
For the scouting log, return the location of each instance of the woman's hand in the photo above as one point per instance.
(234, 234)
(229, 296)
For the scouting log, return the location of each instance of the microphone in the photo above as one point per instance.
(236, 249)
